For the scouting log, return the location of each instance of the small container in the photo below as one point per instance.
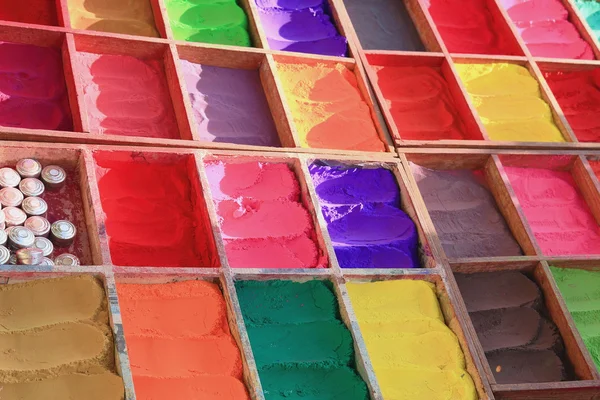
(11, 197)
(9, 177)
(62, 233)
(67, 260)
(53, 177)
(3, 237)
(20, 238)
(45, 245)
(29, 168)
(31, 187)
(46, 262)
(29, 256)
(14, 216)
(7, 230)
(40, 226)
(4, 255)
(34, 206)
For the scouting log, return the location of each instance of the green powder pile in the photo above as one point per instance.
(301, 347)
(590, 10)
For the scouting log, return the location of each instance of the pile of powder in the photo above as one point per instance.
(420, 103)
(301, 347)
(131, 17)
(328, 109)
(509, 102)
(581, 291)
(33, 92)
(414, 354)
(595, 167)
(153, 217)
(179, 342)
(56, 342)
(590, 10)
(559, 217)
(263, 221)
(304, 26)
(508, 313)
(578, 94)
(209, 21)
(364, 217)
(471, 26)
(41, 12)
(545, 28)
(126, 96)
(229, 105)
(464, 213)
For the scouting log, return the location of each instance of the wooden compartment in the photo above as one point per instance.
(47, 12)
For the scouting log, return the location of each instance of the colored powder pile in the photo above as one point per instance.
(33, 92)
(581, 291)
(590, 10)
(56, 342)
(420, 103)
(41, 12)
(263, 221)
(179, 342)
(301, 347)
(328, 109)
(545, 28)
(509, 102)
(596, 168)
(131, 17)
(304, 26)
(470, 27)
(209, 21)
(364, 217)
(578, 94)
(559, 217)
(465, 214)
(383, 25)
(508, 313)
(414, 354)
(153, 215)
(229, 105)
(126, 96)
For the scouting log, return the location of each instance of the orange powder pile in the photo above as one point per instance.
(328, 109)
(179, 342)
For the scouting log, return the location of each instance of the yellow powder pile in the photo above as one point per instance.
(509, 102)
(414, 354)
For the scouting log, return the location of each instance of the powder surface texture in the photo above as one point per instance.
(33, 92)
(469, 26)
(301, 347)
(229, 105)
(578, 94)
(55, 341)
(305, 26)
(595, 167)
(364, 218)
(179, 341)
(209, 21)
(328, 109)
(414, 354)
(464, 213)
(581, 291)
(126, 96)
(560, 218)
(420, 103)
(263, 220)
(153, 217)
(545, 28)
(509, 316)
(590, 10)
(41, 12)
(131, 17)
(509, 102)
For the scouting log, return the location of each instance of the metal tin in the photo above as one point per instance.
(53, 176)
(40, 226)
(31, 187)
(13, 259)
(20, 238)
(11, 197)
(7, 230)
(29, 256)
(9, 177)
(14, 216)
(67, 260)
(44, 244)
(3, 237)
(28, 168)
(62, 233)
(34, 206)
(46, 262)
(4, 255)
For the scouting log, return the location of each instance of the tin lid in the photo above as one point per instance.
(34, 206)
(29, 256)
(46, 262)
(44, 244)
(28, 168)
(40, 226)
(31, 187)
(9, 177)
(3, 237)
(14, 216)
(4, 255)
(11, 197)
(21, 236)
(53, 174)
(67, 260)
(63, 229)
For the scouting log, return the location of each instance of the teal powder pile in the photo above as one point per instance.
(590, 10)
(301, 347)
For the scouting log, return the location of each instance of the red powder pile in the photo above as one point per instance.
(596, 168)
(41, 12)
